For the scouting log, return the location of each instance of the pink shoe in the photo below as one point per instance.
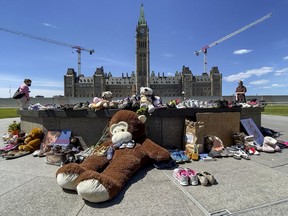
(8, 147)
(181, 176)
(193, 178)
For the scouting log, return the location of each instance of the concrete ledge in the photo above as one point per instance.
(165, 126)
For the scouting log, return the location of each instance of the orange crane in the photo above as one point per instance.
(79, 49)
(205, 48)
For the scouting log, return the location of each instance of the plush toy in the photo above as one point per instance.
(135, 102)
(101, 177)
(157, 101)
(125, 103)
(146, 99)
(32, 141)
(104, 102)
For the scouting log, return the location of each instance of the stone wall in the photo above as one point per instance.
(165, 126)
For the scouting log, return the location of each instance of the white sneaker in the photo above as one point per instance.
(193, 178)
(181, 176)
(7, 136)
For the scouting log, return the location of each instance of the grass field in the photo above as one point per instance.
(280, 110)
(8, 112)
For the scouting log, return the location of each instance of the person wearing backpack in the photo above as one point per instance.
(24, 88)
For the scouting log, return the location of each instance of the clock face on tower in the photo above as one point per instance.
(142, 30)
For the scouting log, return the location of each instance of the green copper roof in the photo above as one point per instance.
(142, 20)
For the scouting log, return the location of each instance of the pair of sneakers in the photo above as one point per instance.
(206, 178)
(185, 176)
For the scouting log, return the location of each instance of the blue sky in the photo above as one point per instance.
(259, 55)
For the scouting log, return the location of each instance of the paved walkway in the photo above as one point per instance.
(255, 187)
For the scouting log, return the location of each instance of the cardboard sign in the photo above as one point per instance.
(252, 129)
(222, 125)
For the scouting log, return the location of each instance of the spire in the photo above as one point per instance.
(142, 20)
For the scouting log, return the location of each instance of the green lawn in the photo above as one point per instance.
(8, 112)
(280, 110)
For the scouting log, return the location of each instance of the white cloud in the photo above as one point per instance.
(244, 75)
(169, 74)
(241, 51)
(259, 82)
(281, 72)
(49, 25)
(273, 86)
(285, 58)
(277, 85)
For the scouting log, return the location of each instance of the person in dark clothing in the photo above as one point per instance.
(240, 92)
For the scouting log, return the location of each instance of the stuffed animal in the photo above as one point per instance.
(135, 102)
(157, 101)
(146, 99)
(101, 177)
(32, 141)
(125, 103)
(104, 102)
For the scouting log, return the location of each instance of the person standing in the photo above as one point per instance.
(24, 88)
(240, 92)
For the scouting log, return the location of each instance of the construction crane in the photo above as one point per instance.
(205, 48)
(78, 49)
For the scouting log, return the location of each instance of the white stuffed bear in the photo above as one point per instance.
(146, 102)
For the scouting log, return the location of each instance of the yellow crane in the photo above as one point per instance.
(78, 49)
(205, 48)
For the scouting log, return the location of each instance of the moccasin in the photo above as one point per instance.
(202, 179)
(210, 178)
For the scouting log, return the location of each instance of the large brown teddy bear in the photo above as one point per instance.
(99, 179)
(32, 140)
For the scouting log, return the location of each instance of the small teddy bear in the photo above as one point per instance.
(32, 140)
(146, 94)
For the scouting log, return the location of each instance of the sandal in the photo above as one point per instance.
(176, 156)
(183, 156)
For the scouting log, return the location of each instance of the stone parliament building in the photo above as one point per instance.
(183, 83)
